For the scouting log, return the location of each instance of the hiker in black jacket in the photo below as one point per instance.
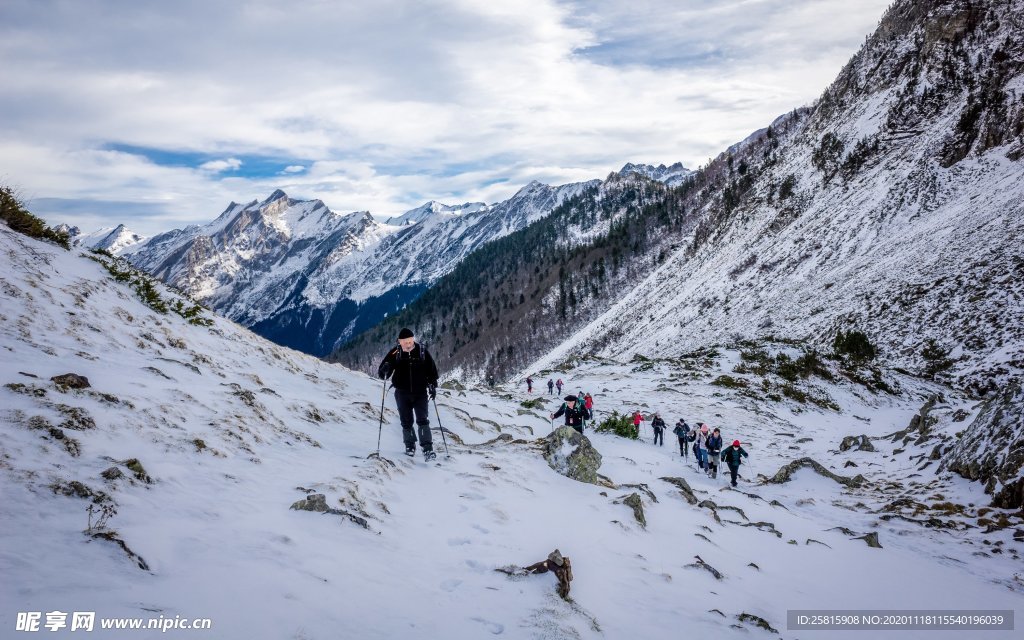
(732, 457)
(659, 429)
(575, 413)
(414, 376)
(681, 430)
(714, 451)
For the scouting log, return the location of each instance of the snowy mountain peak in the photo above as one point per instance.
(671, 175)
(116, 240)
(432, 208)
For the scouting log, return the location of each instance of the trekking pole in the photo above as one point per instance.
(439, 426)
(380, 426)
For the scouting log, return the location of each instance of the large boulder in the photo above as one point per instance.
(991, 450)
(570, 453)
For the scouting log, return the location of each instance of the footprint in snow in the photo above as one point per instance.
(494, 627)
(451, 585)
(458, 542)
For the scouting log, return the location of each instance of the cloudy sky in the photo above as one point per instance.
(157, 114)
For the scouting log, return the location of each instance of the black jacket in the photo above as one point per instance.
(413, 371)
(658, 423)
(574, 417)
(714, 445)
(732, 456)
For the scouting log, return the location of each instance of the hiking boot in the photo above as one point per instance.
(410, 451)
(429, 455)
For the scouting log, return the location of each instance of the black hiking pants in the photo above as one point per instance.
(682, 447)
(733, 470)
(659, 434)
(409, 403)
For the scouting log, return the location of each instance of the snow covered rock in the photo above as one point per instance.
(570, 453)
(992, 450)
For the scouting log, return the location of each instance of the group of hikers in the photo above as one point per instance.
(414, 377)
(706, 444)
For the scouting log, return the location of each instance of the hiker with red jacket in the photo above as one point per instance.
(637, 419)
(731, 457)
(588, 401)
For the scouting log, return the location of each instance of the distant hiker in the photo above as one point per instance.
(490, 381)
(529, 384)
(414, 376)
(575, 413)
(637, 419)
(560, 566)
(551, 386)
(732, 457)
(714, 450)
(588, 402)
(659, 429)
(559, 385)
(682, 430)
(700, 444)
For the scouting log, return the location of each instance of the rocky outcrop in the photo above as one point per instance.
(684, 489)
(71, 381)
(858, 443)
(570, 453)
(991, 450)
(785, 474)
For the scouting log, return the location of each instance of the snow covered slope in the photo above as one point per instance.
(200, 438)
(894, 206)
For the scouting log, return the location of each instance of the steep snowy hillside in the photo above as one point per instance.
(308, 278)
(162, 491)
(897, 209)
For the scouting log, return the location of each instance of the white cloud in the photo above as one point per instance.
(387, 105)
(220, 166)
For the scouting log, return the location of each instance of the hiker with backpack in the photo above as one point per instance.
(551, 386)
(588, 402)
(659, 429)
(732, 457)
(413, 375)
(637, 419)
(529, 384)
(699, 437)
(682, 431)
(714, 450)
(559, 385)
(575, 413)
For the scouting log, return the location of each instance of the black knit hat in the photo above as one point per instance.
(405, 333)
(570, 398)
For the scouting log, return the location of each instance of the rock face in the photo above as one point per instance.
(570, 453)
(992, 449)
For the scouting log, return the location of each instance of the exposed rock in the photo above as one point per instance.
(861, 442)
(960, 415)
(79, 490)
(871, 539)
(919, 422)
(570, 453)
(700, 564)
(757, 621)
(810, 540)
(112, 536)
(785, 474)
(762, 526)
(138, 470)
(684, 488)
(70, 381)
(317, 503)
(634, 502)
(113, 473)
(992, 448)
(75, 418)
(27, 389)
(642, 487)
(708, 504)
(850, 463)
